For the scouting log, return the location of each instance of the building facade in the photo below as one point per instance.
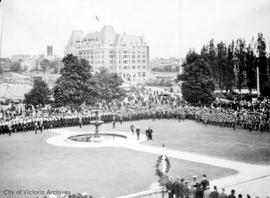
(124, 54)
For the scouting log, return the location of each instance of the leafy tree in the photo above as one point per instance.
(109, 85)
(262, 59)
(222, 66)
(266, 88)
(198, 85)
(230, 75)
(45, 64)
(76, 84)
(240, 56)
(16, 67)
(39, 95)
(209, 51)
(251, 68)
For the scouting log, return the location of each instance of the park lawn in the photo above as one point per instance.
(239, 145)
(27, 162)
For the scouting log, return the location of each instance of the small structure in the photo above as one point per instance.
(97, 123)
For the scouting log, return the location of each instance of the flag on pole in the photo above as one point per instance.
(97, 18)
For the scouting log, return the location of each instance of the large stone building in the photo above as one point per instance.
(127, 55)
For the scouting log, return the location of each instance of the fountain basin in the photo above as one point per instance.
(93, 138)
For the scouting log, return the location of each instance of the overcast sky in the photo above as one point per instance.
(30, 25)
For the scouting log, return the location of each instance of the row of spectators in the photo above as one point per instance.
(179, 188)
(143, 104)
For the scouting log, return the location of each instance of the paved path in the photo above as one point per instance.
(252, 179)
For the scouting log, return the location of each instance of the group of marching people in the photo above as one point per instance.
(145, 104)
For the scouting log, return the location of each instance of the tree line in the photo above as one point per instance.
(233, 64)
(77, 85)
(225, 66)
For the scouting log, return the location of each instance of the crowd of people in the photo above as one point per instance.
(179, 188)
(143, 104)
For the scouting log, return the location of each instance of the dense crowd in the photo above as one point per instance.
(143, 104)
(179, 188)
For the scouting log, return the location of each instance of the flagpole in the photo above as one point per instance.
(1, 38)
(180, 35)
(258, 79)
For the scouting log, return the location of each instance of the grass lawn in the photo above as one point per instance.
(27, 162)
(194, 137)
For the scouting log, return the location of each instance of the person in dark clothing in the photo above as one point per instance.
(199, 191)
(132, 128)
(150, 133)
(170, 187)
(179, 189)
(113, 121)
(214, 194)
(138, 132)
(232, 195)
(204, 182)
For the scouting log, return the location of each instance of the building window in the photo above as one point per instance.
(143, 74)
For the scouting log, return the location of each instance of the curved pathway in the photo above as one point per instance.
(252, 179)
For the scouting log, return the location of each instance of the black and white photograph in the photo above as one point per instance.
(134, 98)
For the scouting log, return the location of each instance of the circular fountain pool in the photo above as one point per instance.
(92, 138)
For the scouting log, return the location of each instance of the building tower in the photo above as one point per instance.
(49, 50)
